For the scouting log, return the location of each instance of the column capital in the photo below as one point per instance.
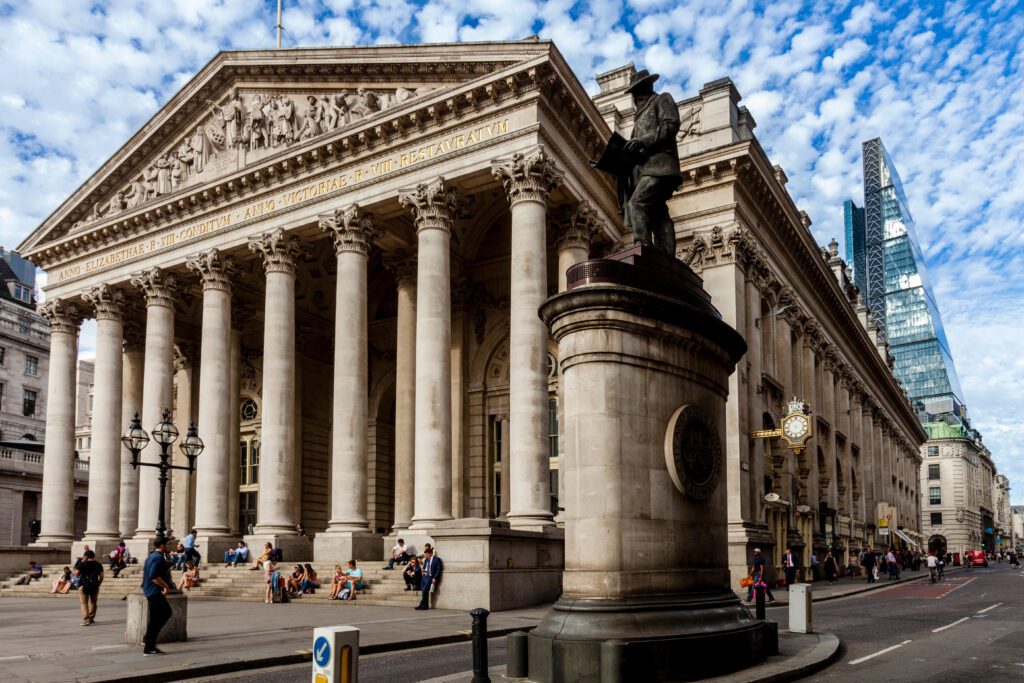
(579, 228)
(134, 335)
(402, 264)
(280, 251)
(351, 229)
(64, 316)
(158, 286)
(528, 176)
(434, 205)
(108, 302)
(215, 270)
(185, 354)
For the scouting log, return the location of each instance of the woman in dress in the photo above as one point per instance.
(831, 567)
(62, 584)
(338, 582)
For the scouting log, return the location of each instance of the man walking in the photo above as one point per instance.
(789, 566)
(757, 572)
(433, 567)
(869, 564)
(90, 576)
(156, 582)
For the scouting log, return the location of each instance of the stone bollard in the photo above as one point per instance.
(516, 655)
(174, 631)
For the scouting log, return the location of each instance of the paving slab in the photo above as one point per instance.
(41, 638)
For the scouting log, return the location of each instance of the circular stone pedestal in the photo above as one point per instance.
(175, 630)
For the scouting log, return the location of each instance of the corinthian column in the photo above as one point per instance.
(276, 515)
(58, 514)
(216, 404)
(434, 206)
(348, 532)
(403, 265)
(574, 235)
(134, 358)
(528, 179)
(159, 289)
(102, 528)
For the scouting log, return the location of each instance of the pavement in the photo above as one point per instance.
(40, 640)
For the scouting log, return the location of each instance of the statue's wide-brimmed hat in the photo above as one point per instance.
(640, 78)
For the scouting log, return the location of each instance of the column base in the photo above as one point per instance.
(212, 547)
(338, 547)
(531, 520)
(142, 545)
(59, 542)
(293, 547)
(174, 631)
(685, 637)
(489, 565)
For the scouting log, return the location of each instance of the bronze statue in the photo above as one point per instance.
(647, 165)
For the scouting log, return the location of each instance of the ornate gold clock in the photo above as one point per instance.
(796, 428)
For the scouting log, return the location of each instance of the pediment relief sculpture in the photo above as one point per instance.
(242, 129)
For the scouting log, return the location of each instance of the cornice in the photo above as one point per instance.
(492, 83)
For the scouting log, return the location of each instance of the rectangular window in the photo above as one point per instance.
(935, 495)
(933, 451)
(552, 428)
(28, 404)
(933, 471)
(31, 365)
(3, 352)
(936, 519)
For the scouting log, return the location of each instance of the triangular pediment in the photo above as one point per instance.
(246, 107)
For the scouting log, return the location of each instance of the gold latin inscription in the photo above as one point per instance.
(288, 199)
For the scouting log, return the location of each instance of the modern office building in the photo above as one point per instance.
(889, 268)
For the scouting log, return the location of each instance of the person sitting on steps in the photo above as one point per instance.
(355, 580)
(268, 551)
(338, 582)
(309, 583)
(399, 554)
(413, 574)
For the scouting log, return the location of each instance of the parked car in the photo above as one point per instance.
(977, 558)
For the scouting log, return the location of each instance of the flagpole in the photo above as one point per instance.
(278, 24)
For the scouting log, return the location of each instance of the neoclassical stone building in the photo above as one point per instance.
(332, 260)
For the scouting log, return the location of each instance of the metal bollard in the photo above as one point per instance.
(613, 661)
(480, 645)
(516, 657)
(759, 591)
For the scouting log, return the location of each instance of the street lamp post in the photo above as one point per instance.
(165, 433)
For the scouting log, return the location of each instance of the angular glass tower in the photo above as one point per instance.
(890, 270)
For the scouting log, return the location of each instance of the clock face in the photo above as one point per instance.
(796, 427)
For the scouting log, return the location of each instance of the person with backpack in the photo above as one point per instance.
(90, 576)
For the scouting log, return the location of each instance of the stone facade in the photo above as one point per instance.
(956, 493)
(397, 248)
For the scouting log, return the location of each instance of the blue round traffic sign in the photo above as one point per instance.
(322, 651)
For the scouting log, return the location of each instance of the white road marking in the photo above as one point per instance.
(880, 652)
(943, 628)
(106, 648)
(990, 607)
(15, 658)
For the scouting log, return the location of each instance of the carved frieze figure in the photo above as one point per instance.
(310, 121)
(657, 174)
(233, 113)
(327, 113)
(200, 152)
(284, 111)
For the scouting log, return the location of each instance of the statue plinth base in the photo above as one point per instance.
(645, 361)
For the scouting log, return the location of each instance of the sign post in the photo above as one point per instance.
(336, 654)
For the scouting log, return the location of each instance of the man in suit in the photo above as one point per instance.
(433, 567)
(789, 566)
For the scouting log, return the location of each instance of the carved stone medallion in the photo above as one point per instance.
(693, 452)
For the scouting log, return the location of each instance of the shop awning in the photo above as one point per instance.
(906, 538)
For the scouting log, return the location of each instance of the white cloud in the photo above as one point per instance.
(942, 84)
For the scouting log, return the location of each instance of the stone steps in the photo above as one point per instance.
(237, 584)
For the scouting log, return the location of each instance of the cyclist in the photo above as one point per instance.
(933, 567)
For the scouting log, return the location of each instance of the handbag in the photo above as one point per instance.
(746, 582)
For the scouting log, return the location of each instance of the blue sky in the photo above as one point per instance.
(941, 83)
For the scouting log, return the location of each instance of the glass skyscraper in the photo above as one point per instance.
(889, 268)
